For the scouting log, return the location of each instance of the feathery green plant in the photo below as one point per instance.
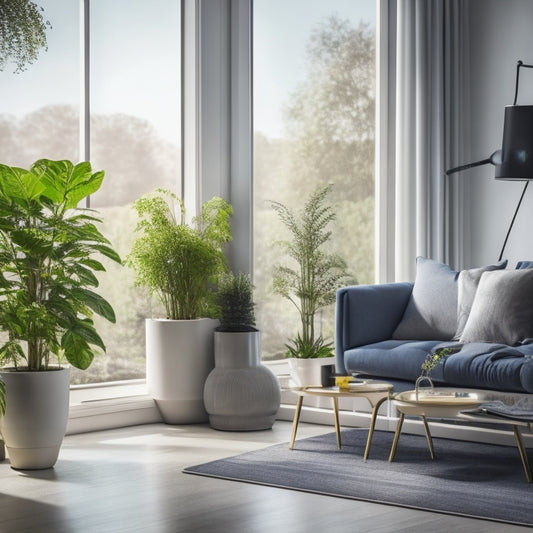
(312, 283)
(176, 261)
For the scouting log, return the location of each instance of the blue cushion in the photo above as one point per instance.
(487, 366)
(391, 358)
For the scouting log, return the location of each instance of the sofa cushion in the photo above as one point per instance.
(502, 311)
(489, 366)
(467, 283)
(431, 313)
(440, 303)
(390, 359)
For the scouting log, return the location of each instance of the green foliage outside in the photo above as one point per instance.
(176, 261)
(311, 280)
(22, 33)
(49, 253)
(328, 138)
(235, 304)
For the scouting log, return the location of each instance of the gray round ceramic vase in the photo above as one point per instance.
(240, 394)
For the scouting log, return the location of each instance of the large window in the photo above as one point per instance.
(134, 135)
(314, 98)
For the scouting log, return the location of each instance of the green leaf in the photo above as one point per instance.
(85, 330)
(77, 350)
(19, 184)
(108, 252)
(95, 302)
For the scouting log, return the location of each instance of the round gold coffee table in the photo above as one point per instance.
(376, 392)
(446, 403)
(451, 403)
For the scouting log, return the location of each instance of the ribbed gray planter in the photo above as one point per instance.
(240, 394)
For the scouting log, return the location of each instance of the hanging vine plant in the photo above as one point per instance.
(22, 33)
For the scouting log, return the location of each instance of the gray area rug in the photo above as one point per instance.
(465, 478)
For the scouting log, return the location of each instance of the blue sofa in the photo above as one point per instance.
(387, 330)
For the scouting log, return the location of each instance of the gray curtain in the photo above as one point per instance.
(427, 98)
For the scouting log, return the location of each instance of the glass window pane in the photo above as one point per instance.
(39, 107)
(314, 101)
(135, 139)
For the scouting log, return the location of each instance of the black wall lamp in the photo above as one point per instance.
(514, 162)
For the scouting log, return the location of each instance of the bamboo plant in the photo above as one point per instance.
(311, 281)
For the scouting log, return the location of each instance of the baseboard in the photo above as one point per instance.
(99, 415)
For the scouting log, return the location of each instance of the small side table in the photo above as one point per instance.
(449, 403)
(375, 392)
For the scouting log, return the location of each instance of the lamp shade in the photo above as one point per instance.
(515, 160)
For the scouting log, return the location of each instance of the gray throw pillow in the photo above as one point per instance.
(467, 284)
(502, 311)
(431, 313)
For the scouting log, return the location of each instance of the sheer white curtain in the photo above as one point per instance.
(426, 98)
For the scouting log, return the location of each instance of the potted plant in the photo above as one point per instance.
(310, 283)
(47, 263)
(430, 362)
(179, 263)
(240, 394)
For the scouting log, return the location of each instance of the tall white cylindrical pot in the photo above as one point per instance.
(241, 394)
(179, 357)
(35, 421)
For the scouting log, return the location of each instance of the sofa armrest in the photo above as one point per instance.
(366, 314)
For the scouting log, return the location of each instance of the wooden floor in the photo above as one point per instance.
(130, 480)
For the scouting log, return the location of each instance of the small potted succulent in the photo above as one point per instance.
(240, 394)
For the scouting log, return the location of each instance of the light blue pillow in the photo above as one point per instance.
(431, 313)
(436, 309)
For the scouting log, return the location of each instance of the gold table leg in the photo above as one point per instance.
(523, 454)
(375, 410)
(396, 437)
(299, 402)
(428, 437)
(337, 425)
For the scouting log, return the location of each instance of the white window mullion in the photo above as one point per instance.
(85, 85)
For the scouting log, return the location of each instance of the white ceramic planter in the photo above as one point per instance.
(308, 372)
(241, 394)
(35, 422)
(179, 357)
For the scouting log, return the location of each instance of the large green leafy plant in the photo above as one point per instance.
(180, 262)
(311, 280)
(48, 250)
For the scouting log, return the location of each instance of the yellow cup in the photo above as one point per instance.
(342, 381)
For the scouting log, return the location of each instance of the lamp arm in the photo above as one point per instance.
(518, 65)
(513, 219)
(469, 165)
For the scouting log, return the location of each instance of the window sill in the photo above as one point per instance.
(99, 406)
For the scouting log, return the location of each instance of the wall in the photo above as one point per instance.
(500, 35)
